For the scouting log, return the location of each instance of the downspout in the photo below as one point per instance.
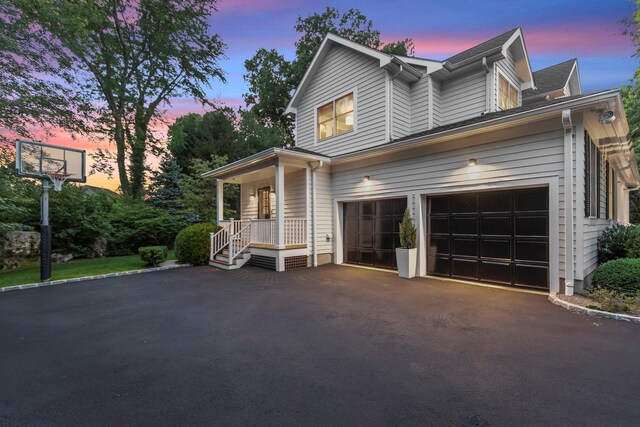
(568, 201)
(391, 102)
(314, 246)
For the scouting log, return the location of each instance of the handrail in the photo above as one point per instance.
(239, 242)
(219, 240)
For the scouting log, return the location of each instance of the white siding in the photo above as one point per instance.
(294, 201)
(324, 211)
(507, 67)
(341, 71)
(437, 102)
(463, 97)
(592, 227)
(420, 105)
(401, 110)
(519, 159)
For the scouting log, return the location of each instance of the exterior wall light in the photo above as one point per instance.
(366, 178)
(473, 162)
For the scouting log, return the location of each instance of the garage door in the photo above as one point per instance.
(371, 231)
(496, 236)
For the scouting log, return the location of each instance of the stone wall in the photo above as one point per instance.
(16, 245)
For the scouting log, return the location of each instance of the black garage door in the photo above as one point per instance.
(495, 236)
(371, 231)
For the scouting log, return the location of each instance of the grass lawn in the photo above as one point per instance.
(30, 270)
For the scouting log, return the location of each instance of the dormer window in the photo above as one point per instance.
(336, 117)
(508, 96)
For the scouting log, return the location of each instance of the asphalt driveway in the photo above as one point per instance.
(326, 346)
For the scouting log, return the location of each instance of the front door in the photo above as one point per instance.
(264, 203)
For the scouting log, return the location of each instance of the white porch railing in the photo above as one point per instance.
(237, 235)
(239, 242)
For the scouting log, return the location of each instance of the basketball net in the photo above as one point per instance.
(58, 179)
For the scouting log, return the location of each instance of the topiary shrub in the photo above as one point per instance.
(633, 243)
(407, 231)
(612, 244)
(152, 256)
(620, 275)
(193, 244)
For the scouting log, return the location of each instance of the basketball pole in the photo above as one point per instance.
(45, 234)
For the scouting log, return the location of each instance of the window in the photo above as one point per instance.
(592, 174)
(264, 203)
(336, 117)
(508, 95)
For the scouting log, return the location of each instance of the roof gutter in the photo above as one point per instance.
(419, 140)
(263, 155)
(451, 67)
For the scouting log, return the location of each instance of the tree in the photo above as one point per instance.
(402, 47)
(631, 102)
(313, 28)
(269, 78)
(164, 189)
(130, 57)
(196, 136)
(27, 100)
(199, 194)
(272, 78)
(254, 136)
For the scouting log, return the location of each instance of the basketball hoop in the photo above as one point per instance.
(57, 179)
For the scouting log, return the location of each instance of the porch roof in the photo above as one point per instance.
(265, 158)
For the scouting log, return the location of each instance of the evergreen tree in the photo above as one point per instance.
(164, 191)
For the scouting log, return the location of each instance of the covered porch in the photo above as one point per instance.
(275, 225)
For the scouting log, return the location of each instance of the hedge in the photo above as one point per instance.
(152, 256)
(620, 275)
(193, 244)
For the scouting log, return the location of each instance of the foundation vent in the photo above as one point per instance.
(294, 262)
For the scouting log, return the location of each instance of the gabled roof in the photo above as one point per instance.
(483, 49)
(552, 78)
(386, 60)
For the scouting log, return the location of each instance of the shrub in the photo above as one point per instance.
(152, 256)
(620, 275)
(193, 244)
(612, 244)
(407, 231)
(633, 243)
(135, 224)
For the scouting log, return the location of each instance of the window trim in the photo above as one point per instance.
(593, 178)
(333, 100)
(510, 82)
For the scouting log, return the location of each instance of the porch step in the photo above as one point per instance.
(221, 260)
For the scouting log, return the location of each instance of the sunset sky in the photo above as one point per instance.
(554, 31)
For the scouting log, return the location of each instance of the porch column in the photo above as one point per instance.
(280, 244)
(219, 201)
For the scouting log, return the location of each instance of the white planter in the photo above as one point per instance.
(406, 259)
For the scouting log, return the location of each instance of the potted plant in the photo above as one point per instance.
(406, 254)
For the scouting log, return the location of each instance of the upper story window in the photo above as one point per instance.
(336, 117)
(508, 95)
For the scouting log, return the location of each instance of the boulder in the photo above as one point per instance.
(97, 249)
(20, 244)
(9, 264)
(61, 259)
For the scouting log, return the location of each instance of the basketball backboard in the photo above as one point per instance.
(45, 161)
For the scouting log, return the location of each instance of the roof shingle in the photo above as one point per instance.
(482, 47)
(550, 78)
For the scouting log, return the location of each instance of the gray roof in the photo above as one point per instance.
(550, 78)
(482, 47)
(489, 116)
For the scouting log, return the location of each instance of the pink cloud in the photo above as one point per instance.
(574, 40)
(245, 6)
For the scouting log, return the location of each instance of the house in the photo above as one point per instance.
(487, 155)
